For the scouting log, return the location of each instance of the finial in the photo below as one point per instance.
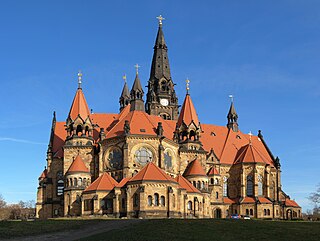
(187, 85)
(79, 79)
(160, 18)
(231, 98)
(124, 77)
(137, 68)
(250, 137)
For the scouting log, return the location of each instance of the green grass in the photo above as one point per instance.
(225, 230)
(13, 229)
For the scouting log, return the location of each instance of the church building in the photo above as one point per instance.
(154, 159)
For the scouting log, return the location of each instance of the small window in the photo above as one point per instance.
(213, 134)
(156, 199)
(149, 200)
(238, 137)
(162, 201)
(268, 212)
(60, 187)
(189, 205)
(251, 212)
(135, 200)
(217, 195)
(247, 211)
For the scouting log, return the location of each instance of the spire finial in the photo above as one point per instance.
(137, 68)
(124, 77)
(160, 18)
(187, 85)
(250, 137)
(79, 79)
(231, 98)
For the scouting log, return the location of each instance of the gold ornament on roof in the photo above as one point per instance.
(160, 18)
(187, 85)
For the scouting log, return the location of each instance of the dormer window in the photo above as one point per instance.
(213, 134)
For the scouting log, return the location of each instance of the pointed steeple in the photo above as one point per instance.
(78, 120)
(161, 96)
(232, 117)
(124, 99)
(188, 126)
(136, 94)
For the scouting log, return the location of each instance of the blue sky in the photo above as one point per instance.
(265, 53)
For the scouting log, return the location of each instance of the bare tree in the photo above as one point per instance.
(315, 198)
(3, 203)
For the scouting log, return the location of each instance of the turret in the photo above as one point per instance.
(136, 94)
(124, 99)
(232, 117)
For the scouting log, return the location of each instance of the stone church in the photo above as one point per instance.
(154, 159)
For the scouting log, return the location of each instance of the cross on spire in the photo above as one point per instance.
(160, 18)
(79, 79)
(250, 137)
(124, 77)
(137, 68)
(187, 85)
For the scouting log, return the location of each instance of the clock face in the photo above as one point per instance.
(164, 102)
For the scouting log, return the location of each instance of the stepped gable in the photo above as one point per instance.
(213, 171)
(194, 169)
(78, 166)
(151, 172)
(103, 183)
(185, 184)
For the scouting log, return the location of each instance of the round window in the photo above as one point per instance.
(143, 156)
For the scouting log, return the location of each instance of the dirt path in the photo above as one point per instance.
(81, 233)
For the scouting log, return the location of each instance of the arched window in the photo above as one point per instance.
(194, 183)
(60, 187)
(225, 186)
(265, 212)
(247, 211)
(135, 200)
(189, 205)
(149, 200)
(84, 182)
(211, 181)
(217, 195)
(71, 184)
(123, 203)
(79, 130)
(162, 201)
(167, 160)
(202, 185)
(198, 184)
(216, 181)
(80, 182)
(156, 199)
(249, 186)
(268, 211)
(260, 186)
(251, 212)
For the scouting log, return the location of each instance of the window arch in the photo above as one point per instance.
(268, 212)
(249, 186)
(189, 205)
(156, 199)
(211, 181)
(135, 200)
(260, 186)
(251, 212)
(225, 186)
(162, 201)
(149, 200)
(75, 182)
(167, 159)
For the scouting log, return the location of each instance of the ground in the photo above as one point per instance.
(173, 229)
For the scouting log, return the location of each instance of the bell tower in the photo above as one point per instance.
(161, 97)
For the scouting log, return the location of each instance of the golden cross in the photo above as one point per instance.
(79, 79)
(124, 77)
(160, 18)
(137, 68)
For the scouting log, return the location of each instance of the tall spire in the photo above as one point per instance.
(124, 99)
(79, 105)
(136, 93)
(161, 96)
(232, 117)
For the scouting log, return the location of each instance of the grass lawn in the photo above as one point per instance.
(213, 229)
(12, 229)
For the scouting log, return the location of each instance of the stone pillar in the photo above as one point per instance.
(116, 203)
(243, 183)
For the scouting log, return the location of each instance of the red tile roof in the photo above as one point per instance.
(194, 169)
(123, 182)
(103, 183)
(185, 184)
(264, 200)
(291, 203)
(151, 172)
(248, 200)
(44, 174)
(79, 106)
(228, 200)
(188, 113)
(249, 154)
(78, 166)
(213, 171)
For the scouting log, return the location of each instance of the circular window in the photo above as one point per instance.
(143, 156)
(115, 158)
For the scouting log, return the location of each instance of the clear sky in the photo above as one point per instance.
(265, 53)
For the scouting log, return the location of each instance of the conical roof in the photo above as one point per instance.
(188, 113)
(78, 166)
(184, 183)
(160, 41)
(125, 91)
(137, 84)
(103, 183)
(79, 106)
(232, 111)
(44, 174)
(151, 172)
(194, 169)
(249, 154)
